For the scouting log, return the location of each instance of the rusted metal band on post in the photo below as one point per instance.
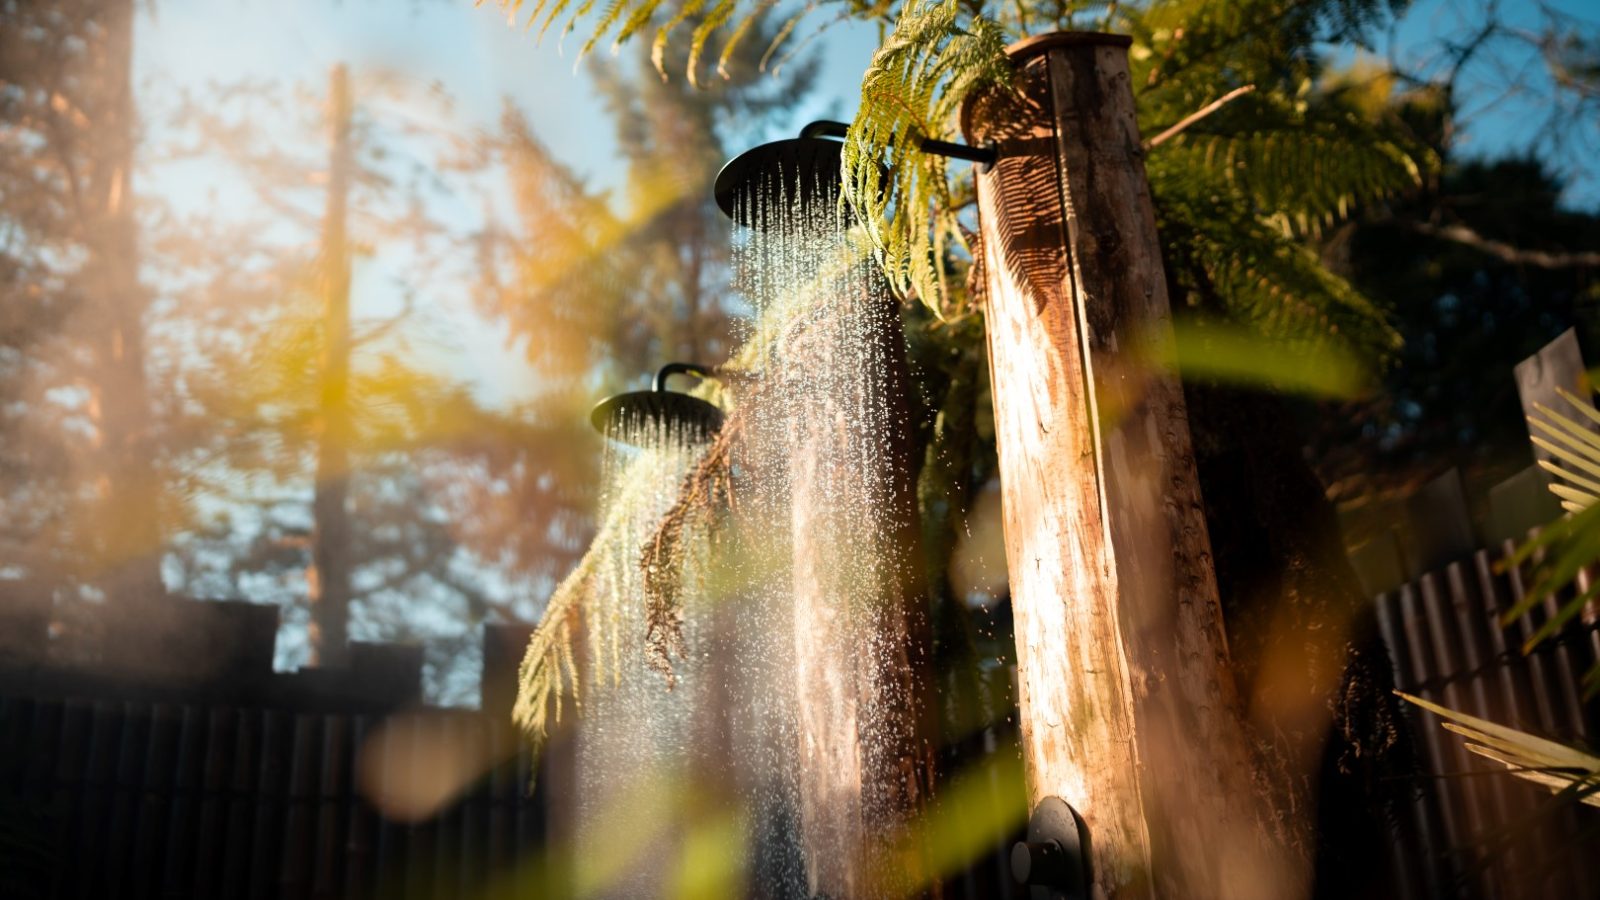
(1027, 48)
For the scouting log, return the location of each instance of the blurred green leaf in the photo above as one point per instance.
(1237, 355)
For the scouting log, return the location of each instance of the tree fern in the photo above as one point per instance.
(1220, 246)
(913, 90)
(1302, 173)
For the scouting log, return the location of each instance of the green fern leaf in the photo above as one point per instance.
(913, 90)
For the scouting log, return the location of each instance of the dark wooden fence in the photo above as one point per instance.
(1474, 830)
(155, 800)
(248, 785)
(189, 769)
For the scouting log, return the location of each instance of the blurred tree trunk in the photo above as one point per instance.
(127, 524)
(1303, 635)
(329, 576)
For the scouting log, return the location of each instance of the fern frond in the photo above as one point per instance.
(1302, 177)
(1219, 247)
(913, 89)
(1576, 449)
(1570, 547)
(628, 18)
(1563, 770)
(548, 672)
(715, 19)
(781, 36)
(740, 32)
(641, 16)
(614, 11)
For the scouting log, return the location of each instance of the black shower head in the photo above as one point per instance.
(693, 418)
(804, 168)
(807, 168)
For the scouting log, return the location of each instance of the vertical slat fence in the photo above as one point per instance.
(1474, 830)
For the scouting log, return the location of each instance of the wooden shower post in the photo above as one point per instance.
(1129, 710)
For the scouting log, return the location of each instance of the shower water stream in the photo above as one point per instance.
(828, 440)
(635, 739)
(801, 687)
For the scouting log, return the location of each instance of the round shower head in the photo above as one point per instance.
(804, 168)
(693, 418)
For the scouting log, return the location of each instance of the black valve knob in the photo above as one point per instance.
(1042, 863)
(1054, 861)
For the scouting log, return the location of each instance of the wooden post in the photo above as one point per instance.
(1129, 710)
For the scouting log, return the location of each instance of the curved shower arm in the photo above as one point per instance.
(825, 128)
(983, 156)
(679, 368)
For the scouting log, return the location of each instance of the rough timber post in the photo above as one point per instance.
(1129, 712)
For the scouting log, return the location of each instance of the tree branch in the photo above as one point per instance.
(1518, 256)
(1197, 115)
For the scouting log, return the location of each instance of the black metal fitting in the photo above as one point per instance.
(1054, 860)
(984, 156)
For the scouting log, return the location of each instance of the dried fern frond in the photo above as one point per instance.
(705, 487)
(1564, 770)
(933, 60)
(1576, 448)
(548, 671)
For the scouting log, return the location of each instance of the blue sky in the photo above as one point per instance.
(473, 53)
(469, 50)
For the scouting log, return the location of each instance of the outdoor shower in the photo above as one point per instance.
(811, 164)
(621, 416)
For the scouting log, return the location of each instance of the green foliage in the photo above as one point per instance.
(913, 90)
(625, 19)
(1241, 192)
(1569, 548)
(1220, 249)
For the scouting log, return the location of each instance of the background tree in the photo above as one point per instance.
(85, 509)
(326, 449)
